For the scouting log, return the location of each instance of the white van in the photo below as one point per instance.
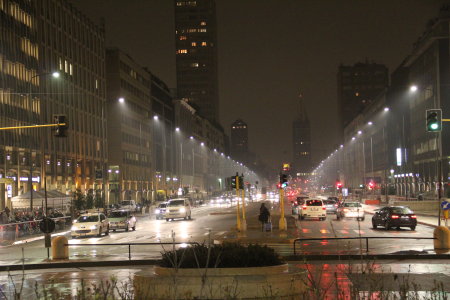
(178, 208)
(128, 205)
(313, 208)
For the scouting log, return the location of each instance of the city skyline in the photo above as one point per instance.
(286, 49)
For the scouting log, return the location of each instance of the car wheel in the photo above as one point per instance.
(167, 220)
(324, 218)
(374, 226)
(387, 226)
(185, 218)
(126, 229)
(190, 217)
(134, 227)
(99, 232)
(114, 230)
(362, 219)
(107, 231)
(413, 227)
(302, 217)
(338, 217)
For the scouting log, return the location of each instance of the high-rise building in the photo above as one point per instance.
(358, 85)
(239, 140)
(129, 128)
(196, 56)
(39, 38)
(301, 130)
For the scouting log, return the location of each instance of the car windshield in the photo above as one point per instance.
(176, 203)
(401, 210)
(352, 204)
(85, 219)
(313, 203)
(162, 205)
(126, 202)
(330, 202)
(118, 214)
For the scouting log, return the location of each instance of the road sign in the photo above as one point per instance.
(47, 225)
(445, 205)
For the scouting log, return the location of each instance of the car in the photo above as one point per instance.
(90, 224)
(128, 205)
(121, 219)
(331, 206)
(394, 216)
(297, 204)
(350, 210)
(313, 208)
(177, 209)
(160, 211)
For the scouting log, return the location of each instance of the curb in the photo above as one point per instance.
(365, 257)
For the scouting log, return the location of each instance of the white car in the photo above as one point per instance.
(178, 208)
(350, 210)
(121, 219)
(313, 208)
(90, 224)
(128, 205)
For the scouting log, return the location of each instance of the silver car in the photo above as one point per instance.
(350, 210)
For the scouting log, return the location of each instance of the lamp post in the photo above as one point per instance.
(30, 178)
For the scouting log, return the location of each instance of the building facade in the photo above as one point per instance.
(40, 38)
(129, 129)
(358, 85)
(301, 141)
(239, 140)
(196, 55)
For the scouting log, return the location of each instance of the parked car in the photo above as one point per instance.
(121, 219)
(394, 216)
(331, 206)
(350, 210)
(128, 205)
(313, 208)
(90, 224)
(178, 208)
(160, 211)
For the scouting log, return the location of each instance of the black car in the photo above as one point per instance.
(394, 216)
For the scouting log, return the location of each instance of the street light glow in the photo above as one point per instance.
(413, 88)
(56, 74)
(177, 129)
(155, 117)
(386, 109)
(370, 123)
(191, 137)
(121, 100)
(359, 131)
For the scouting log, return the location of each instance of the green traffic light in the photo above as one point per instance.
(434, 126)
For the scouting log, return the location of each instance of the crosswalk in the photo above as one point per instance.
(318, 232)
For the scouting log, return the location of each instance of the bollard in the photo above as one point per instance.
(60, 250)
(442, 238)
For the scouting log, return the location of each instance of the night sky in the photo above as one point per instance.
(270, 51)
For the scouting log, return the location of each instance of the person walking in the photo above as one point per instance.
(264, 215)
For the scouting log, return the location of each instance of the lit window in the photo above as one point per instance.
(202, 30)
(204, 44)
(182, 51)
(70, 69)
(193, 30)
(194, 65)
(96, 84)
(356, 94)
(193, 44)
(203, 23)
(182, 37)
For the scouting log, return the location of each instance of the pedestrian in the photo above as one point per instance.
(264, 215)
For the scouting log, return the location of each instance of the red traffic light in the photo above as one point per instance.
(338, 184)
(371, 185)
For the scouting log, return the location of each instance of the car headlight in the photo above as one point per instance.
(93, 227)
(157, 211)
(182, 210)
(73, 228)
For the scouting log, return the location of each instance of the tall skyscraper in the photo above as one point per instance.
(302, 143)
(196, 55)
(358, 85)
(239, 140)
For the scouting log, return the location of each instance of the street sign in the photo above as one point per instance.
(445, 205)
(47, 225)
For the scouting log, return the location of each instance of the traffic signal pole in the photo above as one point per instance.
(238, 217)
(244, 221)
(282, 222)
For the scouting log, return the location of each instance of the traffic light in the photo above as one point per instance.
(241, 182)
(283, 180)
(60, 130)
(371, 185)
(233, 182)
(434, 120)
(338, 184)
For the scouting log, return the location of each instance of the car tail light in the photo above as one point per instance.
(345, 209)
(304, 207)
(395, 217)
(324, 207)
(413, 217)
(335, 205)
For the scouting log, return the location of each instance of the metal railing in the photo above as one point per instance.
(11, 232)
(359, 238)
(133, 244)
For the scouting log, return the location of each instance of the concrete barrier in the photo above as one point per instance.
(442, 238)
(59, 248)
(419, 205)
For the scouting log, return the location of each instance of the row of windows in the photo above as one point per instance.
(128, 70)
(186, 3)
(133, 90)
(17, 70)
(17, 13)
(134, 140)
(133, 123)
(192, 30)
(203, 44)
(29, 48)
(135, 158)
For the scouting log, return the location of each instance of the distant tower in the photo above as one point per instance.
(196, 56)
(358, 85)
(301, 142)
(239, 140)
